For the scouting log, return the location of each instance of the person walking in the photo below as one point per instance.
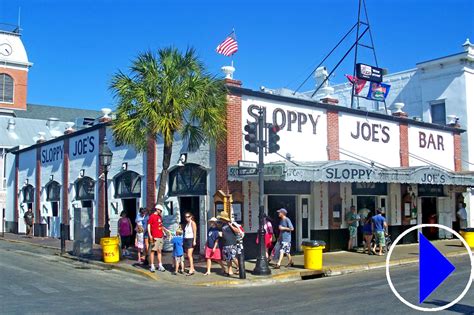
(268, 238)
(125, 231)
(285, 227)
(368, 233)
(156, 233)
(462, 216)
(379, 225)
(213, 251)
(228, 235)
(29, 219)
(178, 251)
(139, 242)
(352, 219)
(190, 240)
(142, 218)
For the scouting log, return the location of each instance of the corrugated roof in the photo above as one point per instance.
(35, 111)
(26, 131)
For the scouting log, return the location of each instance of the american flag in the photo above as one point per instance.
(228, 47)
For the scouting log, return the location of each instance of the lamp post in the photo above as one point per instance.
(105, 159)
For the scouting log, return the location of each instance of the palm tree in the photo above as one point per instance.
(166, 95)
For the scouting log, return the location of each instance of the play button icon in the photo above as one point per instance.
(434, 268)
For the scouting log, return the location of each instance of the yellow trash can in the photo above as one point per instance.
(468, 235)
(313, 254)
(110, 249)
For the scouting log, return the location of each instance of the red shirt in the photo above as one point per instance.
(156, 225)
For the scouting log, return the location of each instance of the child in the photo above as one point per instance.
(139, 242)
(125, 231)
(178, 251)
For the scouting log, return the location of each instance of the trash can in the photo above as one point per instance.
(468, 235)
(313, 254)
(110, 249)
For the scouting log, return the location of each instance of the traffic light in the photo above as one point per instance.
(251, 137)
(273, 139)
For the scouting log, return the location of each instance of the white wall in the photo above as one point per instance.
(26, 171)
(302, 136)
(369, 138)
(431, 145)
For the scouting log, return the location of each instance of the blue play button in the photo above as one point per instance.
(434, 268)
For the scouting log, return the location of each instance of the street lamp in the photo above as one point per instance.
(105, 159)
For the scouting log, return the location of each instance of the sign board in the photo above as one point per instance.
(247, 171)
(247, 164)
(369, 73)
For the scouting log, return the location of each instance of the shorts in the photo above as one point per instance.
(229, 252)
(216, 255)
(157, 245)
(145, 235)
(188, 243)
(380, 238)
(285, 247)
(352, 231)
(179, 259)
(29, 229)
(126, 241)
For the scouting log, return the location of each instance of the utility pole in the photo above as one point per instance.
(261, 266)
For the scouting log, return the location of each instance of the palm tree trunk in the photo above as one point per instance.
(167, 152)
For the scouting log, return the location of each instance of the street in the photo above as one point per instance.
(34, 280)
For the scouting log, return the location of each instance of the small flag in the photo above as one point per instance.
(229, 46)
(378, 91)
(359, 83)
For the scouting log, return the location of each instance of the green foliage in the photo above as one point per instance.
(166, 94)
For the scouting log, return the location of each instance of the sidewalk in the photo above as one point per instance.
(335, 263)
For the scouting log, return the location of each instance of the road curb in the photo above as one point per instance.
(338, 270)
(29, 243)
(136, 271)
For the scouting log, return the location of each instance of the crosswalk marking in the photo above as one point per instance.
(44, 289)
(17, 290)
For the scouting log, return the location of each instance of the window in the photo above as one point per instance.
(438, 113)
(190, 180)
(128, 184)
(6, 88)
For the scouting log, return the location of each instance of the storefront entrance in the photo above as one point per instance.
(429, 215)
(191, 205)
(130, 207)
(289, 203)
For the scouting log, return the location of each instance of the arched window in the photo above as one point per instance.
(128, 184)
(6, 88)
(28, 192)
(85, 188)
(190, 179)
(53, 191)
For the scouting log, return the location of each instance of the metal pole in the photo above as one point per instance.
(261, 265)
(355, 55)
(106, 225)
(3, 223)
(63, 238)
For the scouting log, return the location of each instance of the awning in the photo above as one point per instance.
(356, 172)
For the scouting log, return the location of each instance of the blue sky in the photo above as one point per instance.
(76, 46)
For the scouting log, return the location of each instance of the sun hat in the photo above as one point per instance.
(223, 217)
(159, 207)
(213, 219)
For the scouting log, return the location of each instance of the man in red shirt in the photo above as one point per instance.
(156, 233)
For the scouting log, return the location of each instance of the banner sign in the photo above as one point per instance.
(369, 73)
(378, 91)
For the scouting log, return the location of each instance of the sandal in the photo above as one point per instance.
(190, 274)
(276, 267)
(290, 264)
(207, 273)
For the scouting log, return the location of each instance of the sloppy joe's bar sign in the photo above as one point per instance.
(83, 145)
(52, 153)
(303, 129)
(369, 137)
(430, 145)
